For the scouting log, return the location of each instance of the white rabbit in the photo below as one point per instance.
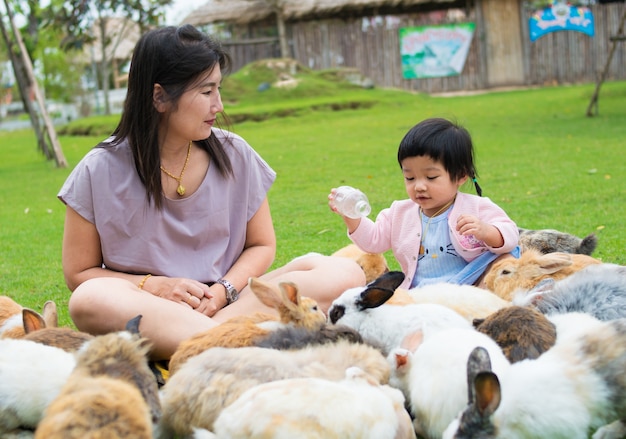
(469, 301)
(431, 372)
(352, 408)
(575, 387)
(364, 309)
(31, 376)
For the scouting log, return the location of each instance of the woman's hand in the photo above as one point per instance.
(187, 292)
(212, 303)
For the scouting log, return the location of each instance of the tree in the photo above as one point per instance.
(104, 22)
(23, 68)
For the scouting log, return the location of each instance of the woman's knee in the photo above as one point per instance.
(89, 302)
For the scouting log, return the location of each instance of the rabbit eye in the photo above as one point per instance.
(335, 313)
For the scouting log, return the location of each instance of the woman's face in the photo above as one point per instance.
(197, 108)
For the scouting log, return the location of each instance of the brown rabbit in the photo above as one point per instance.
(507, 276)
(521, 332)
(373, 264)
(14, 318)
(244, 330)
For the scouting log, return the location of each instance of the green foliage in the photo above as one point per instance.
(538, 156)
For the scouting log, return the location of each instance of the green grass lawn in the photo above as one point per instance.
(539, 157)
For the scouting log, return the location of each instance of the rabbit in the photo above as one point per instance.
(294, 337)
(15, 319)
(552, 241)
(431, 373)
(112, 391)
(363, 309)
(575, 387)
(506, 276)
(239, 331)
(469, 301)
(64, 338)
(521, 332)
(373, 264)
(31, 376)
(317, 408)
(599, 290)
(206, 383)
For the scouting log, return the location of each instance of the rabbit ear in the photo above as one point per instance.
(553, 262)
(133, 325)
(290, 295)
(269, 294)
(487, 388)
(390, 280)
(380, 290)
(413, 340)
(50, 314)
(478, 361)
(32, 321)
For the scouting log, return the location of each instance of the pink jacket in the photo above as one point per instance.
(399, 228)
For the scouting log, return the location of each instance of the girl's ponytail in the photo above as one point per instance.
(479, 191)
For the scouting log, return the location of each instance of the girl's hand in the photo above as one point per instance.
(331, 197)
(470, 225)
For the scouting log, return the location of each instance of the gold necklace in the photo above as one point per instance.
(180, 189)
(425, 230)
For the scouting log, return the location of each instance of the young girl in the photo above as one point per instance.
(439, 234)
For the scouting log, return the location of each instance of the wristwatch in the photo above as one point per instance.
(231, 292)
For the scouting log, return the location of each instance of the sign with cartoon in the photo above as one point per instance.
(560, 15)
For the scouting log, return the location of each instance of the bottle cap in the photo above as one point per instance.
(363, 208)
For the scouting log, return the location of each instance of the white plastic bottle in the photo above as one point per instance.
(351, 202)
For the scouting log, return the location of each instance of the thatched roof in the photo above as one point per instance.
(247, 11)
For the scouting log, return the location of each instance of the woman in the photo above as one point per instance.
(169, 217)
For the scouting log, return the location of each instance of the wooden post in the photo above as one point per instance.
(592, 108)
(28, 67)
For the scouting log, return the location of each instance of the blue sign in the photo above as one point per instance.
(561, 16)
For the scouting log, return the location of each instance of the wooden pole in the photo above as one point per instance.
(592, 108)
(28, 67)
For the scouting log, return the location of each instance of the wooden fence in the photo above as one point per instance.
(371, 45)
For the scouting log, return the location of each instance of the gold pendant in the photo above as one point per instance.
(421, 249)
(180, 190)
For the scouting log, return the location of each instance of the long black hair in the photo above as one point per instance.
(175, 58)
(443, 141)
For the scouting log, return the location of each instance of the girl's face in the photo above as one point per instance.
(428, 184)
(197, 109)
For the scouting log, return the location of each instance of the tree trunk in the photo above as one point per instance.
(104, 66)
(23, 69)
(282, 35)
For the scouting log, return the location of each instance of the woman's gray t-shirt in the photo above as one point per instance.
(197, 237)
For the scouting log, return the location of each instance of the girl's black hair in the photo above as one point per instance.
(445, 142)
(175, 58)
